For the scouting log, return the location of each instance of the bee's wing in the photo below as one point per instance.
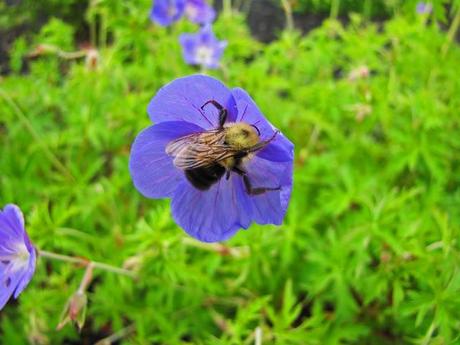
(199, 150)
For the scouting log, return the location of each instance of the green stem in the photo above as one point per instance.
(258, 336)
(25, 121)
(117, 335)
(103, 30)
(288, 14)
(87, 278)
(451, 33)
(203, 70)
(335, 7)
(227, 8)
(367, 9)
(85, 262)
(92, 24)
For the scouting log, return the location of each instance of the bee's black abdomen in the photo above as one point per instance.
(204, 178)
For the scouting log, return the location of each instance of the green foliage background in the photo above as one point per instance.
(369, 250)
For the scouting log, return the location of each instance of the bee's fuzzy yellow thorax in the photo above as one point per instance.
(241, 135)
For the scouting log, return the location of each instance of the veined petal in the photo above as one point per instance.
(7, 286)
(212, 215)
(270, 207)
(152, 170)
(280, 149)
(11, 222)
(182, 99)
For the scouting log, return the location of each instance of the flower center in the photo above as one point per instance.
(191, 11)
(204, 55)
(18, 259)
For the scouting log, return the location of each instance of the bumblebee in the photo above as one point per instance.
(207, 156)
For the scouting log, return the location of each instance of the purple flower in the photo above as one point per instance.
(17, 254)
(424, 8)
(194, 117)
(166, 12)
(202, 48)
(198, 11)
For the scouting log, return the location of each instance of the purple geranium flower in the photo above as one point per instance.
(165, 12)
(424, 8)
(17, 254)
(198, 11)
(211, 202)
(202, 48)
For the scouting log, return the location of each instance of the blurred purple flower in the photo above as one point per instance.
(166, 12)
(17, 254)
(198, 11)
(202, 48)
(226, 205)
(424, 8)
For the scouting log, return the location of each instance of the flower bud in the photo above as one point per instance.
(74, 311)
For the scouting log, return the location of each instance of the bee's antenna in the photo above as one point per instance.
(257, 129)
(273, 136)
(263, 143)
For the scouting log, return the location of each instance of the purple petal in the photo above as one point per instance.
(7, 289)
(198, 11)
(424, 8)
(27, 275)
(280, 149)
(152, 170)
(270, 207)
(207, 36)
(14, 275)
(217, 54)
(14, 213)
(189, 45)
(165, 12)
(182, 99)
(11, 224)
(212, 215)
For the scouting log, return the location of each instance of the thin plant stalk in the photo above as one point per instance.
(117, 335)
(288, 14)
(451, 33)
(203, 70)
(335, 8)
(227, 7)
(87, 278)
(85, 263)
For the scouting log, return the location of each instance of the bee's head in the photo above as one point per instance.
(241, 135)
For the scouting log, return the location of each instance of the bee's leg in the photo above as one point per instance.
(227, 175)
(256, 191)
(222, 111)
(247, 184)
